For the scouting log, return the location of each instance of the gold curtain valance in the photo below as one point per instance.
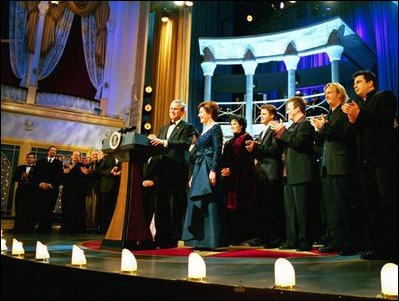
(83, 8)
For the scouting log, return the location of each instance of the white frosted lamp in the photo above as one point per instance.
(78, 256)
(17, 248)
(41, 252)
(284, 274)
(196, 267)
(128, 262)
(389, 280)
(3, 245)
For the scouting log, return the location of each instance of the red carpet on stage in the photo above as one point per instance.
(238, 252)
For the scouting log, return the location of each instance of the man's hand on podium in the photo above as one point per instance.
(115, 172)
(157, 142)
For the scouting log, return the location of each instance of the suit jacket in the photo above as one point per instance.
(176, 159)
(269, 155)
(107, 179)
(338, 139)
(19, 172)
(374, 129)
(48, 172)
(299, 156)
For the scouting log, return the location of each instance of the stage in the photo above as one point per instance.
(162, 276)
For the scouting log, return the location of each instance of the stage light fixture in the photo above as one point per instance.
(189, 3)
(148, 107)
(3, 246)
(78, 256)
(128, 262)
(196, 267)
(249, 18)
(148, 89)
(165, 17)
(178, 3)
(284, 274)
(17, 248)
(389, 281)
(41, 252)
(147, 126)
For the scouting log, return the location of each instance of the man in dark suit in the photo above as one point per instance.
(24, 203)
(372, 115)
(173, 176)
(299, 168)
(47, 177)
(110, 172)
(336, 170)
(269, 206)
(150, 185)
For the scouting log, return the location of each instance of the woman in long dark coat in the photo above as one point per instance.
(238, 180)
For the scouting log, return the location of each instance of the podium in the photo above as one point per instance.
(128, 225)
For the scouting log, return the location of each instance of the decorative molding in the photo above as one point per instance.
(35, 110)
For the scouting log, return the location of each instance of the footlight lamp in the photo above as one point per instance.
(17, 248)
(42, 253)
(4, 248)
(196, 267)
(389, 281)
(78, 256)
(284, 274)
(128, 262)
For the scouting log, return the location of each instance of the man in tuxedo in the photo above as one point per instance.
(371, 116)
(299, 168)
(24, 203)
(47, 178)
(172, 176)
(269, 205)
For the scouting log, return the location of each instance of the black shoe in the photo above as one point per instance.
(287, 246)
(304, 246)
(167, 245)
(372, 255)
(273, 244)
(329, 248)
(348, 251)
(254, 242)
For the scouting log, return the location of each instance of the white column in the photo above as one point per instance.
(249, 69)
(121, 68)
(208, 68)
(291, 63)
(334, 53)
(31, 79)
(111, 24)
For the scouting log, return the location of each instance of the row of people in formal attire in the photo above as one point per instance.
(88, 192)
(265, 188)
(354, 170)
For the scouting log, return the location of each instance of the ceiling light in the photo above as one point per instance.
(165, 18)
